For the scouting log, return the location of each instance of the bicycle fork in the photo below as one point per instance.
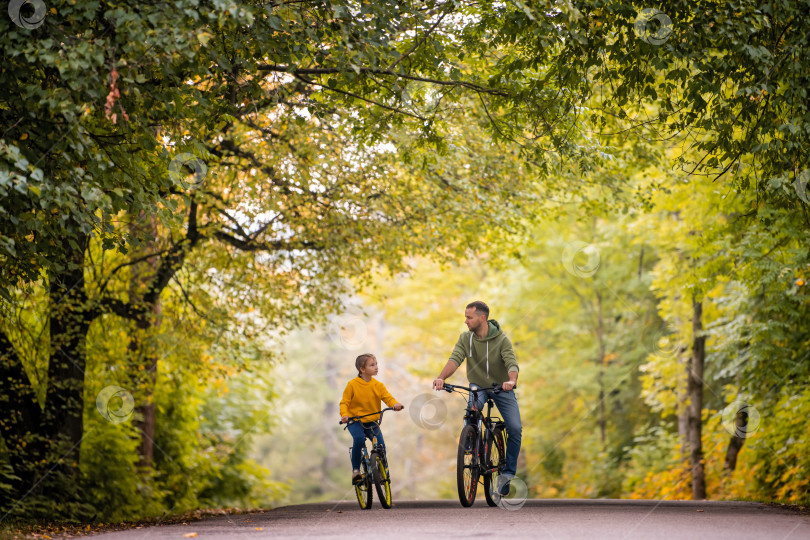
(381, 452)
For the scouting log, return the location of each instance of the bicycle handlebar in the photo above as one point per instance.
(496, 388)
(353, 419)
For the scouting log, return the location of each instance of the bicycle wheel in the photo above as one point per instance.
(467, 466)
(494, 458)
(363, 489)
(381, 480)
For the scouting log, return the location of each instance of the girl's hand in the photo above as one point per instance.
(398, 407)
(344, 419)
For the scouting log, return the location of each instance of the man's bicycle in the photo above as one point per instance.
(373, 469)
(481, 448)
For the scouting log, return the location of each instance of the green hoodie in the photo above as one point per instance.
(490, 359)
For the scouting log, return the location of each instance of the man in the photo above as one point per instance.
(491, 360)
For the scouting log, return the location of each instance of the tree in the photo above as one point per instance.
(197, 82)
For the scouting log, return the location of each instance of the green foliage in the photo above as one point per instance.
(107, 223)
(345, 144)
(780, 460)
(109, 462)
(654, 451)
(211, 400)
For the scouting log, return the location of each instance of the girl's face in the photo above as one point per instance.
(371, 367)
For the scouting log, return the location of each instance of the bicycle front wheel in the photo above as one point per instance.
(363, 488)
(494, 458)
(467, 466)
(381, 480)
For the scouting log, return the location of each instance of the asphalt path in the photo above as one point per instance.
(551, 519)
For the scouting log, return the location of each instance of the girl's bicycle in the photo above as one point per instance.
(373, 468)
(481, 448)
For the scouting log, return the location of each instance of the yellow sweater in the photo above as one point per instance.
(361, 397)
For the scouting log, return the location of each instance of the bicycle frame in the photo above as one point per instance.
(476, 418)
(375, 463)
(481, 447)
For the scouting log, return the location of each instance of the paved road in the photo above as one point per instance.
(551, 519)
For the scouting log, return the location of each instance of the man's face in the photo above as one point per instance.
(473, 319)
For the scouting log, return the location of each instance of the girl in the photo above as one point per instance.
(362, 396)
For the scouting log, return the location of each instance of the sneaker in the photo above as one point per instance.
(356, 476)
(503, 491)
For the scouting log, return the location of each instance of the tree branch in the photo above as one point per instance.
(129, 263)
(172, 262)
(418, 42)
(250, 244)
(377, 71)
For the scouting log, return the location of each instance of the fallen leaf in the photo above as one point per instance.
(190, 535)
(258, 528)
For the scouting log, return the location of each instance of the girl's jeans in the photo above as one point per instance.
(359, 431)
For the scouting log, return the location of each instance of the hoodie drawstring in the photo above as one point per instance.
(471, 335)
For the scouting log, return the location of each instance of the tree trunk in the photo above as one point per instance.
(143, 358)
(146, 285)
(600, 335)
(682, 402)
(683, 419)
(143, 375)
(695, 393)
(640, 261)
(735, 444)
(602, 420)
(69, 324)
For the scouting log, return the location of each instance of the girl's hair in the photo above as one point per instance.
(361, 360)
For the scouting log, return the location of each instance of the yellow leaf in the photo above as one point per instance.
(190, 535)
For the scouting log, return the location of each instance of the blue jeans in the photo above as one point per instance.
(508, 407)
(359, 431)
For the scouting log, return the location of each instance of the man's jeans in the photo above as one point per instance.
(508, 408)
(359, 431)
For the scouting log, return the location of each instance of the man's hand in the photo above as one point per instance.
(449, 369)
(344, 419)
(507, 386)
(398, 407)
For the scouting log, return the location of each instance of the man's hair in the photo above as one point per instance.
(480, 307)
(361, 361)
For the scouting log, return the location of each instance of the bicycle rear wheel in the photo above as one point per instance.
(467, 466)
(494, 458)
(363, 488)
(381, 480)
